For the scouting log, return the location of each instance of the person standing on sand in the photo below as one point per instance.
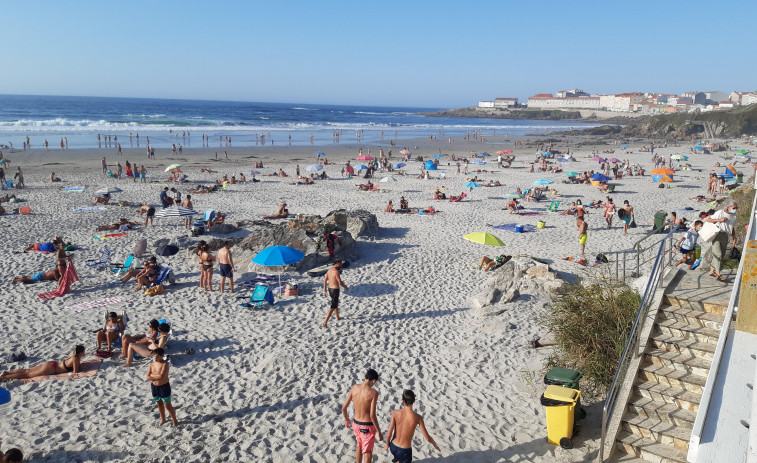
(142, 174)
(583, 235)
(403, 424)
(206, 261)
(188, 204)
(157, 373)
(365, 425)
(226, 266)
(331, 284)
(104, 164)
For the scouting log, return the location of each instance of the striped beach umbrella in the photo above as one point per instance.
(176, 211)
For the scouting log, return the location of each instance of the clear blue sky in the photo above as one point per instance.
(410, 53)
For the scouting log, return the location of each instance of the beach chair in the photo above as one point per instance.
(101, 263)
(119, 269)
(8, 185)
(610, 188)
(553, 206)
(166, 277)
(260, 294)
(123, 318)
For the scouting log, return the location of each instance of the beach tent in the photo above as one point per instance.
(430, 165)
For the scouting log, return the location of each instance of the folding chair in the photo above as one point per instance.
(103, 262)
(554, 206)
(119, 269)
(123, 318)
(260, 295)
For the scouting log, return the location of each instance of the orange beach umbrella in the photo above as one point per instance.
(662, 172)
(665, 179)
(731, 168)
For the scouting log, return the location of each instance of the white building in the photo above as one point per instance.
(748, 98)
(547, 101)
(485, 104)
(505, 102)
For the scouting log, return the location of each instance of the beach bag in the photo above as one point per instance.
(602, 258)
(708, 232)
(154, 290)
(735, 254)
(104, 354)
(632, 224)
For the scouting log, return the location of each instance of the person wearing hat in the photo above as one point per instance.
(725, 220)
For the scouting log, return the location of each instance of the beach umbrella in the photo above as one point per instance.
(502, 152)
(318, 153)
(313, 167)
(571, 174)
(662, 172)
(679, 157)
(437, 156)
(698, 148)
(566, 159)
(731, 168)
(484, 238)
(167, 250)
(546, 153)
(388, 179)
(471, 185)
(361, 167)
(507, 151)
(107, 190)
(624, 146)
(175, 211)
(743, 151)
(406, 151)
(430, 165)
(140, 248)
(665, 179)
(598, 159)
(614, 160)
(483, 155)
(399, 165)
(600, 178)
(274, 256)
(172, 167)
(513, 195)
(364, 158)
(543, 181)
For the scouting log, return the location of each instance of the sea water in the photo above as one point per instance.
(81, 119)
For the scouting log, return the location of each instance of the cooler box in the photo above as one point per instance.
(560, 403)
(519, 229)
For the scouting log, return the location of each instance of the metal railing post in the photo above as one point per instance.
(624, 266)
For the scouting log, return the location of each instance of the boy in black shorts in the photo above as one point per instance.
(157, 372)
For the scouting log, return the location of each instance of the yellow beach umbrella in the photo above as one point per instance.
(484, 238)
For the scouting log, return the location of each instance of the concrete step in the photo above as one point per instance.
(622, 457)
(672, 377)
(691, 347)
(659, 431)
(692, 316)
(661, 410)
(686, 331)
(679, 361)
(682, 398)
(703, 306)
(647, 449)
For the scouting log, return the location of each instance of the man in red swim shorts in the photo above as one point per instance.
(365, 424)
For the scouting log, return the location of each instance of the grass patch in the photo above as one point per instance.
(743, 197)
(591, 326)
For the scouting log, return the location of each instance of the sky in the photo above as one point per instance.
(418, 53)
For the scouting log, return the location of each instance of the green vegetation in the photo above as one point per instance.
(591, 326)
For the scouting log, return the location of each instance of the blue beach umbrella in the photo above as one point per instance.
(5, 396)
(437, 156)
(275, 256)
(318, 153)
(471, 185)
(483, 155)
(430, 165)
(546, 153)
(624, 146)
(399, 165)
(698, 148)
(543, 181)
(600, 178)
(361, 167)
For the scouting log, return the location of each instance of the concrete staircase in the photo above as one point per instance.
(658, 418)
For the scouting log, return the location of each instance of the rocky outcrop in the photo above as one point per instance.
(520, 276)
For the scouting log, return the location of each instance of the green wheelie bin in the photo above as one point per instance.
(566, 377)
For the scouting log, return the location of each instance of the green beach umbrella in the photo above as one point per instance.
(484, 238)
(571, 174)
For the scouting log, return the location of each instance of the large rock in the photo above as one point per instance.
(521, 275)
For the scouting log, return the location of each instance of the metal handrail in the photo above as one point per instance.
(631, 349)
(635, 255)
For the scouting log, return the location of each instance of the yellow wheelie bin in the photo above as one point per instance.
(560, 404)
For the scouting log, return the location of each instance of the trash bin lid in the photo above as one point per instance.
(563, 394)
(562, 376)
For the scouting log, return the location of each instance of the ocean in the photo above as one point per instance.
(81, 119)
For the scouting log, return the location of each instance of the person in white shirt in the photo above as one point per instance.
(725, 220)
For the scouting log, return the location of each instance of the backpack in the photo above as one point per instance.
(602, 258)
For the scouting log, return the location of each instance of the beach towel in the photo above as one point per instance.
(511, 227)
(64, 285)
(75, 188)
(88, 368)
(530, 213)
(107, 237)
(81, 306)
(576, 260)
(88, 208)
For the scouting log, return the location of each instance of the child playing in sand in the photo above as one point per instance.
(157, 372)
(399, 438)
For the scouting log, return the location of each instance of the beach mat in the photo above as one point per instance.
(110, 236)
(93, 304)
(511, 227)
(576, 260)
(89, 208)
(75, 188)
(88, 368)
(529, 213)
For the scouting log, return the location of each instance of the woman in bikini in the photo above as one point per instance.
(110, 331)
(72, 365)
(609, 211)
(149, 274)
(206, 260)
(146, 350)
(198, 252)
(147, 338)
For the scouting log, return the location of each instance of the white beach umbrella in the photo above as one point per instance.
(176, 211)
(314, 168)
(387, 179)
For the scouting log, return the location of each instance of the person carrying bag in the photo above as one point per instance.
(725, 221)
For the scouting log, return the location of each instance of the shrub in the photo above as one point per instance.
(591, 326)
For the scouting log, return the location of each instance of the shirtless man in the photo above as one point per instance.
(147, 209)
(157, 374)
(403, 426)
(582, 233)
(281, 209)
(365, 424)
(331, 284)
(50, 275)
(226, 266)
(188, 204)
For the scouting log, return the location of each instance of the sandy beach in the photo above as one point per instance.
(267, 384)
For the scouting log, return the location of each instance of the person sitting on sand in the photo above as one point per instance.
(145, 350)
(303, 181)
(403, 204)
(53, 178)
(365, 186)
(571, 210)
(149, 274)
(282, 173)
(71, 365)
(389, 207)
(199, 189)
(439, 195)
(111, 330)
(50, 275)
(150, 336)
(101, 199)
(280, 211)
(498, 261)
(122, 225)
(242, 178)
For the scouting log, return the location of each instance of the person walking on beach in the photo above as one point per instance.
(364, 424)
(104, 164)
(399, 437)
(725, 220)
(625, 214)
(583, 235)
(609, 211)
(157, 373)
(226, 266)
(331, 285)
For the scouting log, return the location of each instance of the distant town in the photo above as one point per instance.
(633, 102)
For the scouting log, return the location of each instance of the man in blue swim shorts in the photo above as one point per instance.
(50, 275)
